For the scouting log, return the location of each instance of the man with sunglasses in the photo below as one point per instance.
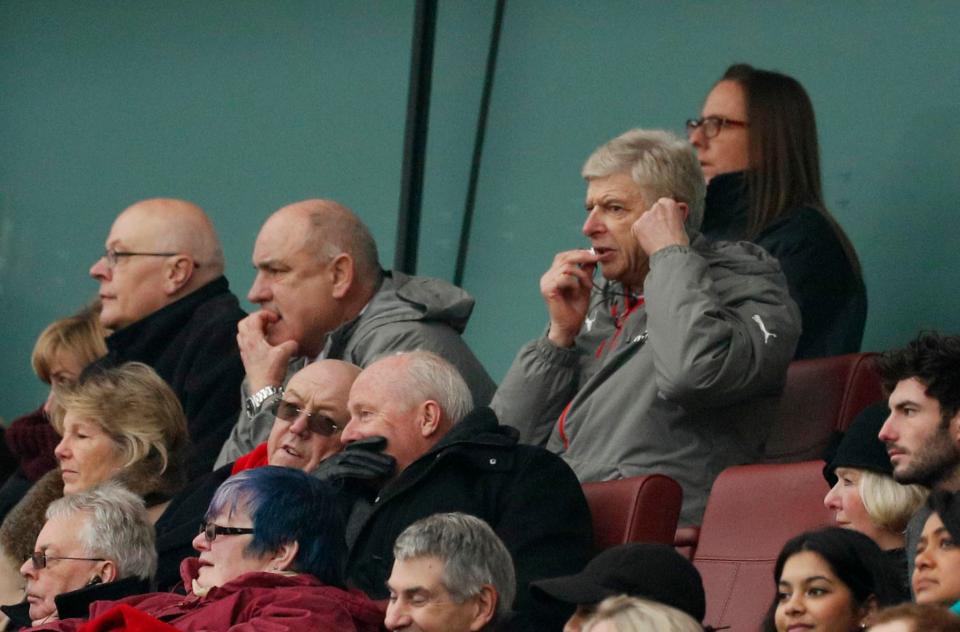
(305, 434)
(95, 545)
(164, 295)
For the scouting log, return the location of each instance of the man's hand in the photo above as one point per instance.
(363, 459)
(265, 364)
(661, 226)
(566, 289)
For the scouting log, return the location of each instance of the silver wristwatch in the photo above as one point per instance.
(253, 403)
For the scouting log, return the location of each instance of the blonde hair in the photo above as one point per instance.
(889, 504)
(635, 614)
(80, 335)
(134, 407)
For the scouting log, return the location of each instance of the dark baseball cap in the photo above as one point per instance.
(654, 571)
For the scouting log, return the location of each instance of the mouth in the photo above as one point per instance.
(291, 451)
(799, 626)
(924, 584)
(604, 254)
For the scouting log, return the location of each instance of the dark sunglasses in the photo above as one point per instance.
(210, 531)
(39, 559)
(316, 422)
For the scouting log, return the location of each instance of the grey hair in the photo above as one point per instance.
(663, 164)
(431, 377)
(473, 556)
(116, 528)
(635, 614)
(336, 229)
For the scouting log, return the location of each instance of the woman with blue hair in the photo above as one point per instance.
(271, 552)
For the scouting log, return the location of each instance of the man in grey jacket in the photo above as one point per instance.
(322, 294)
(633, 374)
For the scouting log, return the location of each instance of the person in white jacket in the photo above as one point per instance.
(632, 372)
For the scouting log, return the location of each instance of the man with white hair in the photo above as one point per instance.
(165, 298)
(95, 545)
(417, 443)
(451, 573)
(633, 372)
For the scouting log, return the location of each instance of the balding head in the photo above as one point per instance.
(165, 249)
(321, 390)
(316, 269)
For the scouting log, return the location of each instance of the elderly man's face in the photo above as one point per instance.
(294, 283)
(58, 538)
(321, 391)
(613, 204)
(379, 407)
(419, 601)
(133, 288)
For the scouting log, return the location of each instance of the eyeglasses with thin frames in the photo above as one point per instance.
(114, 256)
(210, 530)
(711, 125)
(39, 559)
(316, 422)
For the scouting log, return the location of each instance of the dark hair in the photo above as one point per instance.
(854, 558)
(947, 506)
(934, 360)
(285, 506)
(783, 152)
(925, 618)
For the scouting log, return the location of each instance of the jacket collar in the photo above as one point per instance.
(165, 322)
(76, 603)
(725, 209)
(190, 567)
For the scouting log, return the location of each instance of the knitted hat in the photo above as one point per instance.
(653, 571)
(860, 447)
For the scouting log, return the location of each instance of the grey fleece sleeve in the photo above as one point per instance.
(247, 433)
(539, 384)
(715, 340)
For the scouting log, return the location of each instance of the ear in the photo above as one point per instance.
(108, 572)
(868, 608)
(485, 606)
(177, 272)
(954, 427)
(283, 559)
(341, 270)
(431, 418)
(685, 209)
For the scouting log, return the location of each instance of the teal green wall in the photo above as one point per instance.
(244, 106)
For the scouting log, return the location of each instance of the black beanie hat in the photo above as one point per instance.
(860, 447)
(654, 571)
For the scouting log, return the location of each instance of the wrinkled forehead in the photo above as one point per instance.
(321, 389)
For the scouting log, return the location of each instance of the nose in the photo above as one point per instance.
(259, 291)
(697, 138)
(62, 451)
(28, 570)
(592, 225)
(832, 499)
(200, 542)
(48, 405)
(795, 603)
(923, 560)
(887, 432)
(100, 270)
(397, 617)
(351, 431)
(299, 425)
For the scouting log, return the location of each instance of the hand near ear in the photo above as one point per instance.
(662, 226)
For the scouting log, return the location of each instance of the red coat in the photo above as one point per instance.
(254, 602)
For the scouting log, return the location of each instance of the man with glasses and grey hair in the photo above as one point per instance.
(636, 366)
(164, 295)
(451, 573)
(417, 446)
(95, 545)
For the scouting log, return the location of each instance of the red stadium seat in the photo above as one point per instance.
(635, 509)
(752, 511)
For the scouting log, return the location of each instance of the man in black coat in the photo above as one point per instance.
(166, 299)
(415, 410)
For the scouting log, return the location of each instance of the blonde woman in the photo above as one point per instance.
(634, 614)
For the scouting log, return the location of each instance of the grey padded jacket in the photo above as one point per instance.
(717, 327)
(406, 313)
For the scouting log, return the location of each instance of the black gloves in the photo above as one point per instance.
(361, 459)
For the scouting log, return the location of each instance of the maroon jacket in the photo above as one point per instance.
(253, 602)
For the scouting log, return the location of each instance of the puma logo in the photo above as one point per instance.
(588, 322)
(767, 335)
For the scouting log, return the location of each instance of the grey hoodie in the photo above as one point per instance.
(406, 313)
(717, 327)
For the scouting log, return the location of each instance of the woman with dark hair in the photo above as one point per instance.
(271, 553)
(936, 569)
(756, 140)
(829, 580)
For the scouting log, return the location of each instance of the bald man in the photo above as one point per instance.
(166, 299)
(322, 294)
(305, 434)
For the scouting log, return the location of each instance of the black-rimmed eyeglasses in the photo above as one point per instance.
(114, 256)
(711, 125)
(316, 422)
(210, 530)
(39, 559)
